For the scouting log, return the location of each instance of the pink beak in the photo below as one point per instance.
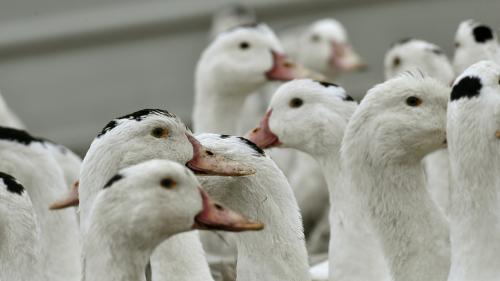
(284, 70)
(344, 58)
(262, 136)
(207, 162)
(72, 199)
(216, 217)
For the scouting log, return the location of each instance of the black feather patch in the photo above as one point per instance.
(348, 98)
(467, 87)
(19, 136)
(112, 180)
(327, 84)
(137, 116)
(224, 136)
(402, 41)
(437, 51)
(482, 33)
(252, 145)
(12, 184)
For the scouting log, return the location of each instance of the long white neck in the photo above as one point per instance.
(20, 249)
(278, 252)
(474, 216)
(412, 231)
(59, 230)
(113, 257)
(354, 252)
(216, 110)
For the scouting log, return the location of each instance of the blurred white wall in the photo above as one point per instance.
(67, 67)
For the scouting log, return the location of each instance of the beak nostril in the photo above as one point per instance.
(210, 153)
(255, 130)
(219, 207)
(288, 64)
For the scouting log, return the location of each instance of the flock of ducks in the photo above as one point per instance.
(401, 186)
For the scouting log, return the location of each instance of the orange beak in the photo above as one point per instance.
(216, 217)
(71, 199)
(284, 70)
(207, 162)
(262, 136)
(345, 58)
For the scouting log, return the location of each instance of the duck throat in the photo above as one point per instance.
(409, 226)
(217, 110)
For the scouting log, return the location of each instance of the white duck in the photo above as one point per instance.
(144, 135)
(28, 159)
(474, 42)
(234, 65)
(278, 252)
(138, 209)
(312, 116)
(473, 143)
(419, 55)
(20, 251)
(323, 46)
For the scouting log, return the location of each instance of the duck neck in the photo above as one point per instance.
(216, 108)
(278, 252)
(474, 200)
(113, 257)
(411, 229)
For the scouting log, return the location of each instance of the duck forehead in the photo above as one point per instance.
(485, 70)
(261, 35)
(331, 29)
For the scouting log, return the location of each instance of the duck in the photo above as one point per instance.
(411, 54)
(28, 159)
(20, 251)
(473, 135)
(278, 252)
(236, 63)
(396, 125)
(323, 46)
(140, 207)
(150, 134)
(474, 41)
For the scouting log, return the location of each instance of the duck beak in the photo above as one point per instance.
(262, 135)
(70, 200)
(284, 70)
(216, 217)
(206, 162)
(345, 58)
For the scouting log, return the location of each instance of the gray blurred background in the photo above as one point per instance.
(67, 67)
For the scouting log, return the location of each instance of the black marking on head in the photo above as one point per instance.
(19, 136)
(468, 86)
(327, 84)
(12, 184)
(224, 136)
(252, 145)
(402, 41)
(348, 98)
(137, 116)
(482, 33)
(436, 51)
(112, 180)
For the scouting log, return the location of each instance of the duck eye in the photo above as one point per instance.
(413, 101)
(396, 62)
(168, 183)
(244, 45)
(315, 38)
(159, 132)
(296, 102)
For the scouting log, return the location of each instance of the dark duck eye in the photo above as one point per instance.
(413, 101)
(159, 132)
(296, 102)
(168, 183)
